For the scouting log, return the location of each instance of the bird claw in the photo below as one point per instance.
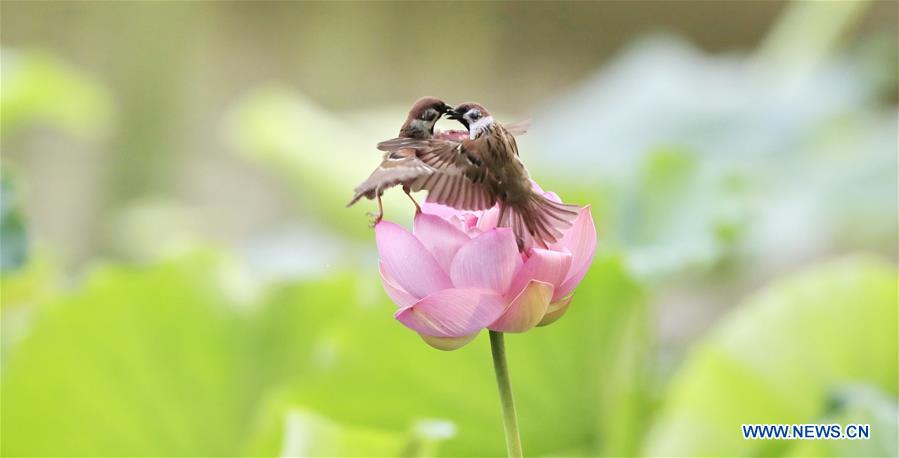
(375, 219)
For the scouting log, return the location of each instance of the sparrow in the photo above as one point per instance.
(402, 165)
(482, 170)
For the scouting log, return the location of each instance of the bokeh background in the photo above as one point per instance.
(180, 276)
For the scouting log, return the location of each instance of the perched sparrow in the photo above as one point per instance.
(402, 166)
(475, 173)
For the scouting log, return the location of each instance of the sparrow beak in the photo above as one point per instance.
(454, 114)
(446, 110)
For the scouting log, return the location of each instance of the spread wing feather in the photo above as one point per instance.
(455, 178)
(397, 167)
(456, 181)
(518, 128)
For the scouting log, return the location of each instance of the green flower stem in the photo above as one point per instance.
(510, 419)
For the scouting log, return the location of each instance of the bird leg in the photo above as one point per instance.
(408, 193)
(377, 217)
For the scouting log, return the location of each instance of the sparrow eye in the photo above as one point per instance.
(474, 115)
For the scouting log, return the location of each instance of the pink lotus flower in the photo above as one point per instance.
(458, 273)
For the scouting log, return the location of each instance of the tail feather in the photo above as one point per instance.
(355, 199)
(539, 222)
(364, 191)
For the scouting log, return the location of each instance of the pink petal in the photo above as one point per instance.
(487, 261)
(489, 219)
(397, 294)
(453, 312)
(543, 265)
(442, 211)
(455, 217)
(570, 284)
(555, 311)
(526, 310)
(448, 343)
(580, 241)
(470, 221)
(407, 261)
(441, 238)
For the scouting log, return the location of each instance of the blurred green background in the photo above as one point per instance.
(180, 276)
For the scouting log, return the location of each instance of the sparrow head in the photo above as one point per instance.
(423, 115)
(473, 116)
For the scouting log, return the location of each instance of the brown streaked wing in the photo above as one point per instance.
(456, 191)
(398, 143)
(455, 181)
(397, 167)
(441, 154)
